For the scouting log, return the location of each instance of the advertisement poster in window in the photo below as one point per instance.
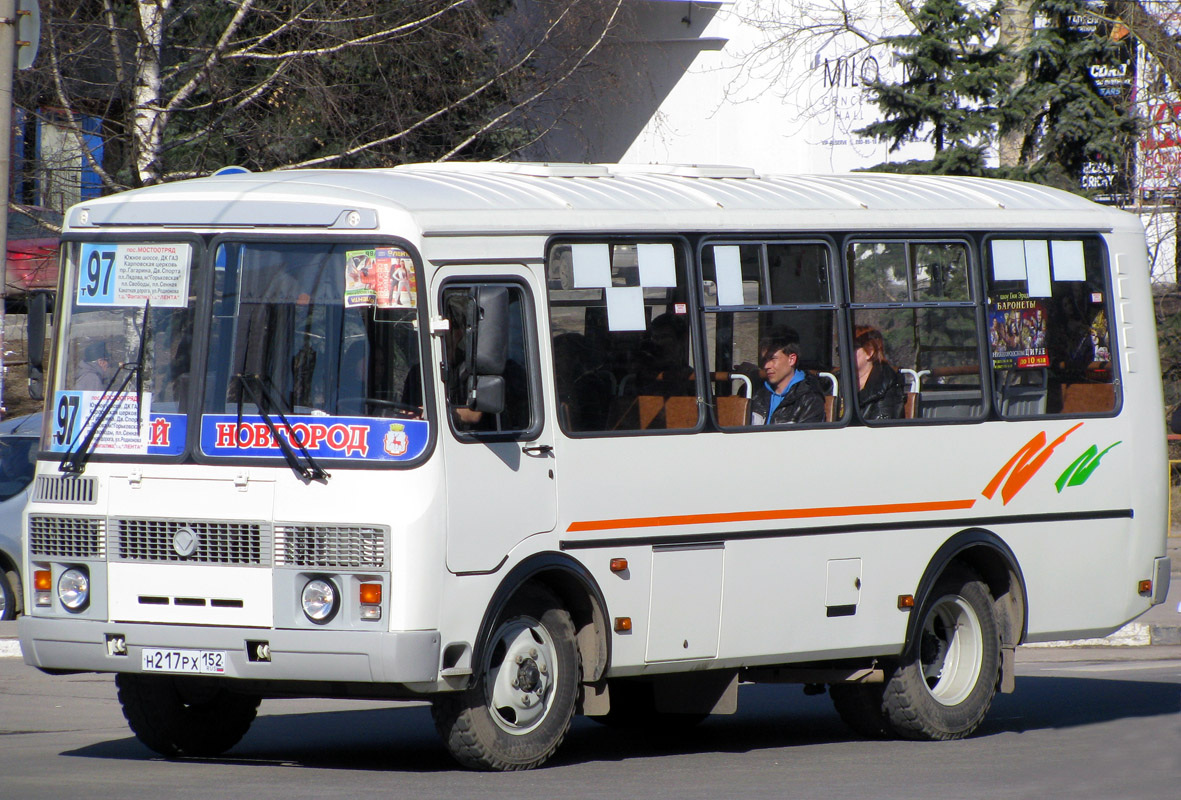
(1017, 332)
(382, 277)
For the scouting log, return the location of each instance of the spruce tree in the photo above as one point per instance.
(1067, 116)
(952, 73)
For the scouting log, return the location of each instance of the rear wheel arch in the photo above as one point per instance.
(987, 555)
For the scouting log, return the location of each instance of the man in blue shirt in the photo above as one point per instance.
(788, 395)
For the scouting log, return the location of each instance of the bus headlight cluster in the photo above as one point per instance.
(73, 589)
(320, 600)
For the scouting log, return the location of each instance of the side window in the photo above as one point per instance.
(1048, 338)
(623, 355)
(770, 316)
(488, 366)
(916, 347)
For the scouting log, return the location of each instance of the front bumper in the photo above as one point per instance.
(295, 655)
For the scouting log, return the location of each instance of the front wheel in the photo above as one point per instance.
(184, 716)
(521, 702)
(944, 686)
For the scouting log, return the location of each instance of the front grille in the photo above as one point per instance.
(330, 546)
(64, 489)
(210, 543)
(66, 537)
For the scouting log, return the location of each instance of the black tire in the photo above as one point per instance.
(860, 707)
(9, 605)
(633, 708)
(943, 687)
(184, 716)
(515, 717)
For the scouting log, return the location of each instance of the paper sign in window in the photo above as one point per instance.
(592, 266)
(625, 308)
(134, 274)
(658, 266)
(1069, 264)
(728, 273)
(1037, 267)
(1008, 260)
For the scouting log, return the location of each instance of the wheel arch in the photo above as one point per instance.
(987, 554)
(579, 594)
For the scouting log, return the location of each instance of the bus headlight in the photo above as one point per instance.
(73, 589)
(319, 600)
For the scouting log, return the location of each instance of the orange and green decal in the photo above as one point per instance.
(1024, 464)
(1082, 467)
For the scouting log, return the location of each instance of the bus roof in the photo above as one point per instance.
(507, 197)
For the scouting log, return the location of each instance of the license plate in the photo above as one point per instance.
(202, 662)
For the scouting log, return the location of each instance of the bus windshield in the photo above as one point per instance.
(302, 331)
(299, 332)
(126, 347)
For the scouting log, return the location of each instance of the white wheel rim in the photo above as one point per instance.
(950, 650)
(520, 674)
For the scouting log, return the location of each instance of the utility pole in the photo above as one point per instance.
(28, 22)
(8, 21)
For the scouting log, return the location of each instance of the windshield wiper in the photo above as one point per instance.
(74, 459)
(262, 393)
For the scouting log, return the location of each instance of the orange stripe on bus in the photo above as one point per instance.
(757, 516)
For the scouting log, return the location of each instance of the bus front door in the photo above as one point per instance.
(498, 456)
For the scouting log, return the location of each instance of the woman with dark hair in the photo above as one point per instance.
(879, 387)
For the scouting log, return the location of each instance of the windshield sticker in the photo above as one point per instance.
(352, 438)
(122, 429)
(382, 277)
(134, 274)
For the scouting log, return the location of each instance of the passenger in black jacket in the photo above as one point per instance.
(789, 395)
(880, 394)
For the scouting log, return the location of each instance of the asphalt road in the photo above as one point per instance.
(1082, 724)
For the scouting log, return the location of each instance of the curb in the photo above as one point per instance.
(1135, 634)
(10, 648)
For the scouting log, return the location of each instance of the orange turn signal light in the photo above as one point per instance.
(1145, 587)
(370, 594)
(623, 624)
(42, 580)
(618, 564)
(905, 601)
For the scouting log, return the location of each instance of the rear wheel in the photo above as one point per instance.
(521, 702)
(944, 686)
(185, 716)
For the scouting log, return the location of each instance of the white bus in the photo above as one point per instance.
(502, 437)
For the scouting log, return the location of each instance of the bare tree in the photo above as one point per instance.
(184, 86)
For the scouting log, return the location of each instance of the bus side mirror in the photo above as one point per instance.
(35, 338)
(491, 334)
(490, 344)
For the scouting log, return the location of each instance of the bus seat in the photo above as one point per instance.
(832, 400)
(910, 406)
(733, 411)
(623, 414)
(1084, 398)
(681, 411)
(1023, 401)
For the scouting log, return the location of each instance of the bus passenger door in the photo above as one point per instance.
(498, 456)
